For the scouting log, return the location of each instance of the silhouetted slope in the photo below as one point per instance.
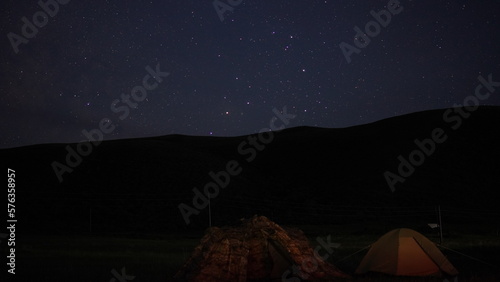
(139, 183)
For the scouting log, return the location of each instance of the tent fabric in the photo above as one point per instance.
(258, 249)
(405, 252)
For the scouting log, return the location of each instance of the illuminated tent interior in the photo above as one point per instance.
(405, 252)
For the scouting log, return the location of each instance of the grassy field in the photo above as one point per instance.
(157, 258)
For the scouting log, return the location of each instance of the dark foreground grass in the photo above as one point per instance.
(92, 258)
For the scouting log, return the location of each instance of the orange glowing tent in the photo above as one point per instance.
(405, 252)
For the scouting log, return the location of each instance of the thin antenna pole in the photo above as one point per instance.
(440, 226)
(90, 220)
(209, 212)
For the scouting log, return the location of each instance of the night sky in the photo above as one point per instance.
(227, 73)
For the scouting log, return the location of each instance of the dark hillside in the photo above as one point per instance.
(301, 176)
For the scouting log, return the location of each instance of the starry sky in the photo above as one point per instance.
(221, 69)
